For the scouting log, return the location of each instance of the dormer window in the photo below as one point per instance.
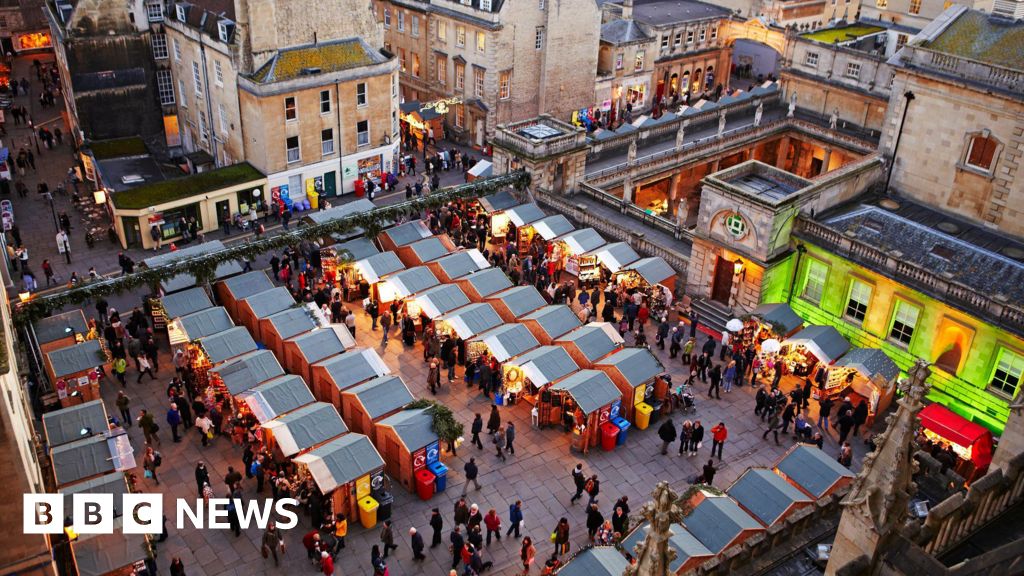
(224, 30)
(181, 11)
(485, 5)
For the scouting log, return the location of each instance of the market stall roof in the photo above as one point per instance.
(102, 554)
(245, 285)
(525, 214)
(951, 426)
(81, 459)
(185, 280)
(508, 340)
(248, 371)
(591, 389)
(66, 425)
(811, 469)
(471, 320)
(870, 362)
(545, 364)
(555, 319)
(415, 428)
(498, 201)
(409, 282)
(77, 358)
(582, 241)
(60, 326)
(376, 266)
(637, 365)
(382, 395)
(185, 302)
(488, 282)
(441, 300)
(595, 340)
(685, 544)
(408, 233)
(463, 262)
(292, 322)
(553, 226)
(429, 249)
(717, 521)
(355, 366)
(482, 169)
(205, 323)
(358, 206)
(355, 250)
(278, 396)
(270, 302)
(520, 300)
(825, 342)
(227, 344)
(113, 483)
(653, 270)
(779, 313)
(306, 427)
(324, 343)
(616, 255)
(596, 561)
(765, 494)
(341, 461)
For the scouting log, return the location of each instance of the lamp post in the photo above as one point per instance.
(909, 96)
(53, 211)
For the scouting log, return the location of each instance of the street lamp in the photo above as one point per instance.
(909, 96)
(737, 267)
(53, 211)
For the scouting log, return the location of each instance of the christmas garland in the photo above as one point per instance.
(444, 425)
(203, 267)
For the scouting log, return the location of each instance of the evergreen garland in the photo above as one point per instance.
(203, 267)
(444, 425)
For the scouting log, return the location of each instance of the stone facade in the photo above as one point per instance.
(556, 165)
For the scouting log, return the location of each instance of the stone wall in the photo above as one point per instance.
(276, 24)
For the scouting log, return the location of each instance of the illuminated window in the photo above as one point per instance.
(858, 301)
(460, 116)
(442, 70)
(478, 82)
(460, 35)
(460, 76)
(290, 112)
(442, 31)
(638, 64)
(814, 280)
(505, 85)
(904, 321)
(981, 152)
(415, 64)
(883, 4)
(1006, 375)
(915, 6)
(401, 59)
(481, 42)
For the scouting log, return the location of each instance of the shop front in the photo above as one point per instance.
(466, 322)
(345, 471)
(337, 260)
(526, 376)
(211, 351)
(637, 373)
(493, 208)
(402, 285)
(814, 345)
(647, 274)
(514, 303)
(363, 278)
(869, 375)
(302, 430)
(485, 283)
(551, 322)
(60, 331)
(40, 40)
(971, 443)
(774, 321)
(614, 257)
(582, 402)
(188, 329)
(181, 304)
(462, 263)
(574, 248)
(75, 371)
(417, 121)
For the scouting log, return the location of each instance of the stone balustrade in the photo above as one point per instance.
(965, 68)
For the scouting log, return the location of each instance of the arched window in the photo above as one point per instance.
(981, 151)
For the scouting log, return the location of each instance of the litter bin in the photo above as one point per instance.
(609, 433)
(384, 512)
(368, 512)
(440, 472)
(623, 425)
(425, 483)
(642, 419)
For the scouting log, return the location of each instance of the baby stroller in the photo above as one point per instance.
(684, 399)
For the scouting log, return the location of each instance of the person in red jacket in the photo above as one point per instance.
(326, 564)
(493, 523)
(719, 434)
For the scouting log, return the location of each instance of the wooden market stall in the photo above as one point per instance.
(182, 303)
(514, 303)
(80, 460)
(811, 470)
(344, 470)
(74, 423)
(778, 315)
(60, 331)
(527, 375)
(869, 376)
(185, 330)
(588, 344)
(404, 438)
(458, 264)
(482, 169)
(690, 553)
(551, 322)
(233, 290)
(807, 348)
(646, 274)
(337, 373)
(718, 522)
(262, 305)
(595, 561)
(365, 275)
(970, 441)
(636, 372)
(304, 429)
(337, 260)
(113, 483)
(277, 328)
(114, 554)
(401, 285)
(246, 371)
(213, 350)
(467, 321)
(186, 281)
(335, 213)
(574, 250)
(767, 496)
(364, 405)
(422, 251)
(480, 285)
(403, 235)
(303, 351)
(436, 301)
(582, 401)
(504, 342)
(614, 257)
(493, 206)
(75, 371)
(277, 397)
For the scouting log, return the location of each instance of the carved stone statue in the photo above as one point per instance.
(721, 123)
(833, 119)
(653, 554)
(758, 113)
(680, 135)
(627, 190)
(631, 155)
(792, 105)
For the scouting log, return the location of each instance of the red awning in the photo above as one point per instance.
(959, 430)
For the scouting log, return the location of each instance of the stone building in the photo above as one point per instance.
(905, 18)
(498, 62)
(23, 26)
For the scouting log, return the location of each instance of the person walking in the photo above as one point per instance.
(594, 521)
(667, 433)
(457, 543)
(499, 442)
(708, 476)
(620, 520)
(144, 368)
(174, 420)
(416, 543)
(472, 471)
(123, 402)
(476, 428)
(860, 417)
(120, 368)
(825, 404)
(202, 477)
(788, 414)
(493, 524)
(327, 563)
(715, 374)
(149, 427)
(273, 541)
(515, 517)
(719, 434)
(731, 376)
(510, 436)
(592, 487)
(461, 512)
(436, 524)
(205, 426)
(150, 462)
(846, 424)
(527, 554)
(494, 420)
(434, 376)
(561, 536)
(774, 423)
(387, 537)
(385, 326)
(579, 481)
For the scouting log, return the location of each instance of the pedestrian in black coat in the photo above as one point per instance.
(436, 524)
(416, 543)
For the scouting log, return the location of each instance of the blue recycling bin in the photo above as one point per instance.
(623, 425)
(440, 472)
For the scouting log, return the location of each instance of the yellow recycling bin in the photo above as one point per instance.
(642, 415)
(368, 512)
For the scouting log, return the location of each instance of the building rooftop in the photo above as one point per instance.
(669, 12)
(978, 36)
(843, 34)
(162, 192)
(760, 181)
(622, 32)
(334, 56)
(128, 172)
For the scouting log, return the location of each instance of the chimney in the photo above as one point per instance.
(627, 9)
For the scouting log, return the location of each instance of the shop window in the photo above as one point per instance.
(981, 151)
(362, 133)
(165, 87)
(478, 82)
(327, 142)
(218, 73)
(638, 64)
(325, 101)
(1006, 375)
(460, 35)
(904, 322)
(915, 6)
(291, 145)
(815, 275)
(460, 76)
(290, 112)
(853, 70)
(159, 42)
(858, 301)
(811, 59)
(505, 85)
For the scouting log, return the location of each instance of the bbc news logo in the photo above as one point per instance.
(143, 513)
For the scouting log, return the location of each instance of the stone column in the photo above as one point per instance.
(627, 189)
(673, 193)
(824, 162)
(780, 157)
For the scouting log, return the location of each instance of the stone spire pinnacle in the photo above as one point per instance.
(653, 554)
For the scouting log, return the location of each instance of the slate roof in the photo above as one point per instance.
(270, 302)
(717, 521)
(278, 396)
(77, 358)
(101, 554)
(415, 428)
(248, 371)
(984, 38)
(81, 459)
(331, 56)
(473, 319)
(306, 427)
(525, 214)
(429, 249)
(870, 361)
(245, 285)
(496, 202)
(637, 365)
(205, 322)
(408, 233)
(765, 494)
(66, 425)
(376, 266)
(616, 255)
(520, 300)
(685, 544)
(412, 281)
(670, 12)
(812, 470)
(112, 483)
(356, 249)
(620, 32)
(545, 364)
(596, 561)
(591, 389)
(185, 302)
(488, 282)
(553, 226)
(595, 340)
(463, 262)
(824, 341)
(341, 461)
(653, 270)
(56, 327)
(382, 395)
(291, 322)
(354, 367)
(319, 344)
(555, 320)
(583, 241)
(228, 344)
(508, 340)
(779, 313)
